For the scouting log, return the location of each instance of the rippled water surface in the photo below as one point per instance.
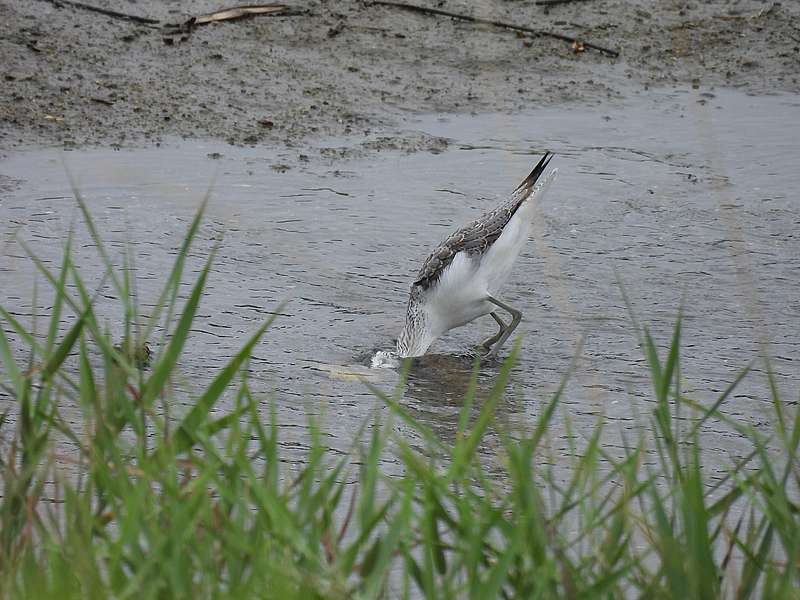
(690, 199)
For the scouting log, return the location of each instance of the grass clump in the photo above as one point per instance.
(147, 504)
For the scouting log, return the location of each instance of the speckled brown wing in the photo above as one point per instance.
(479, 235)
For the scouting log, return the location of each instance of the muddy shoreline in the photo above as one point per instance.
(356, 71)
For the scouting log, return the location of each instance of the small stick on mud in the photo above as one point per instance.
(553, 2)
(105, 11)
(536, 32)
(182, 30)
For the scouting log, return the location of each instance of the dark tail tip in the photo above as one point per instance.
(534, 175)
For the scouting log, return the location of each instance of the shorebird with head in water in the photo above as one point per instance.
(461, 279)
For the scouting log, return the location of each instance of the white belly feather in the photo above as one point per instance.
(459, 295)
(499, 259)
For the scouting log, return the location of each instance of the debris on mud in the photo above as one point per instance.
(104, 11)
(500, 24)
(181, 31)
(357, 70)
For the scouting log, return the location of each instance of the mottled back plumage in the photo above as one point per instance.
(478, 236)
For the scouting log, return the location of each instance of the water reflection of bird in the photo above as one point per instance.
(437, 388)
(460, 280)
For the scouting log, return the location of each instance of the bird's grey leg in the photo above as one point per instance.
(487, 343)
(516, 317)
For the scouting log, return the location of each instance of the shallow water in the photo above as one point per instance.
(689, 199)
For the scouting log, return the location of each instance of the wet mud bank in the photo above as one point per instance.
(72, 77)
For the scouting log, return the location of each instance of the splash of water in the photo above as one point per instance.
(385, 359)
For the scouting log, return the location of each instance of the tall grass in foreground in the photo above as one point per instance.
(160, 505)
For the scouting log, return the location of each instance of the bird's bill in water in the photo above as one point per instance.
(413, 340)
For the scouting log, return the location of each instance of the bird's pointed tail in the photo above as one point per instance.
(534, 185)
(524, 188)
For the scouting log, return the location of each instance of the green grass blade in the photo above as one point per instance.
(13, 372)
(169, 358)
(187, 430)
(62, 351)
(55, 314)
(170, 291)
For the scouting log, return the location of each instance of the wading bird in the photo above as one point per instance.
(460, 280)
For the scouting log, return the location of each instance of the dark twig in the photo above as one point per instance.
(553, 2)
(105, 11)
(501, 24)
